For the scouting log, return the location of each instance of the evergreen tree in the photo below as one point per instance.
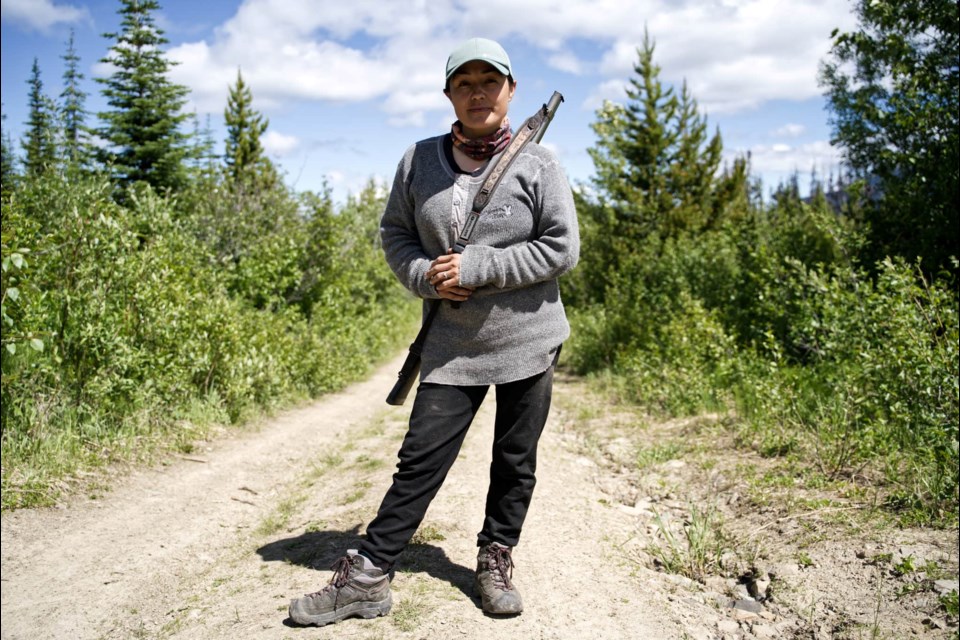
(655, 165)
(203, 158)
(657, 183)
(8, 164)
(893, 86)
(244, 153)
(39, 146)
(693, 165)
(73, 113)
(143, 127)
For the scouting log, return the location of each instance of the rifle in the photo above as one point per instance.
(532, 129)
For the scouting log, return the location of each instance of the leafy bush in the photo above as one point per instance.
(770, 316)
(694, 295)
(879, 384)
(124, 325)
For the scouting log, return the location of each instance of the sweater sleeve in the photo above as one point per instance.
(400, 238)
(553, 252)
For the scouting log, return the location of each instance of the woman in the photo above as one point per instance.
(506, 330)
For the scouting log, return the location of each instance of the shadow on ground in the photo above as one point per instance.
(320, 549)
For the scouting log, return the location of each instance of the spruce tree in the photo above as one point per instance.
(202, 155)
(691, 176)
(244, 153)
(39, 145)
(655, 164)
(8, 162)
(73, 113)
(143, 126)
(657, 183)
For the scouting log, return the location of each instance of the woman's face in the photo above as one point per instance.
(480, 96)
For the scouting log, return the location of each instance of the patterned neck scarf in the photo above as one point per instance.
(482, 148)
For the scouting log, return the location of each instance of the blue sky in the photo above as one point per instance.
(348, 84)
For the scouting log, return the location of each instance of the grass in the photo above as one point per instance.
(358, 493)
(326, 463)
(427, 533)
(776, 500)
(366, 463)
(414, 605)
(280, 516)
(804, 560)
(64, 455)
(54, 449)
(696, 550)
(374, 430)
(949, 603)
(650, 456)
(315, 526)
(319, 469)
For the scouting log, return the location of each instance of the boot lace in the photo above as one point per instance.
(500, 565)
(341, 573)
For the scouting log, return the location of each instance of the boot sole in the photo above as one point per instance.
(365, 610)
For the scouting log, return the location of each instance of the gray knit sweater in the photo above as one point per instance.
(527, 236)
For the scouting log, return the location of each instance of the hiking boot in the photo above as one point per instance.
(357, 588)
(494, 570)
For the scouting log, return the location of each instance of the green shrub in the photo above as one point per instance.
(878, 384)
(853, 370)
(125, 325)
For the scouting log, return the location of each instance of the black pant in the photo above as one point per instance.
(438, 424)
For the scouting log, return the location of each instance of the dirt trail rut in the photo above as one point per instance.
(216, 545)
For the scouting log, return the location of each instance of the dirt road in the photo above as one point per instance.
(215, 545)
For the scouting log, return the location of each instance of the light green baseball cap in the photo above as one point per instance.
(479, 49)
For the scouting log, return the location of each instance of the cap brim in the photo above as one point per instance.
(496, 65)
(499, 66)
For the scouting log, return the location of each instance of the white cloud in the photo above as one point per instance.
(299, 49)
(781, 161)
(566, 62)
(557, 151)
(346, 185)
(613, 90)
(41, 14)
(278, 144)
(734, 54)
(295, 70)
(790, 130)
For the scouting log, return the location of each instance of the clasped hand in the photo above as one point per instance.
(444, 275)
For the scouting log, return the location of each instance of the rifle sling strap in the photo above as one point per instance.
(483, 197)
(519, 141)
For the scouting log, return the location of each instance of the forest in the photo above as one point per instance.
(157, 284)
